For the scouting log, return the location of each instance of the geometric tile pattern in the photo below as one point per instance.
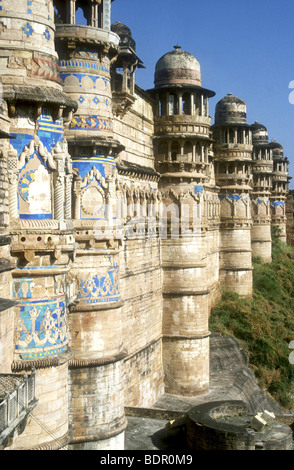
(47, 69)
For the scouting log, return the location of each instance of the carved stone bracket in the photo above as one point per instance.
(122, 103)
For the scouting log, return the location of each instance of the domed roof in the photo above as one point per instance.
(278, 150)
(258, 127)
(177, 67)
(259, 133)
(276, 145)
(230, 110)
(125, 35)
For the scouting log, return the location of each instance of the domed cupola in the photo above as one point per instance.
(230, 110)
(259, 134)
(125, 35)
(278, 151)
(123, 70)
(127, 47)
(183, 140)
(177, 67)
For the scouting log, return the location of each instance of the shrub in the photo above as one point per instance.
(264, 325)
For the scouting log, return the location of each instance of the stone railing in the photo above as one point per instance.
(16, 401)
(86, 34)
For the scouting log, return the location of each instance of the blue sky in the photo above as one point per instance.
(244, 47)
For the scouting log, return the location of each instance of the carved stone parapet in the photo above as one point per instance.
(233, 179)
(232, 154)
(280, 177)
(183, 166)
(233, 224)
(29, 243)
(72, 36)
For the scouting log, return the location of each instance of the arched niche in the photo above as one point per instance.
(163, 151)
(175, 150)
(188, 150)
(34, 189)
(173, 104)
(186, 104)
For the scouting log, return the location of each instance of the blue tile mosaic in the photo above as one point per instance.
(41, 328)
(46, 34)
(27, 29)
(101, 288)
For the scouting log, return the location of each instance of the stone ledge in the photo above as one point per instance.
(56, 444)
(185, 337)
(35, 94)
(104, 361)
(187, 293)
(42, 363)
(96, 307)
(153, 413)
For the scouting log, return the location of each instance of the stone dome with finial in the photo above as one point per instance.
(230, 110)
(177, 67)
(259, 133)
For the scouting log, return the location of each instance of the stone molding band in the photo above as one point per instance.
(39, 272)
(56, 444)
(236, 269)
(80, 363)
(186, 293)
(184, 265)
(81, 307)
(182, 337)
(43, 363)
(56, 361)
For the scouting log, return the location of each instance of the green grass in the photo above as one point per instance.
(264, 325)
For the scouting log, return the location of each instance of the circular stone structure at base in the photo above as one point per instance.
(225, 425)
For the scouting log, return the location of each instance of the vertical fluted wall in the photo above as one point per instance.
(280, 188)
(185, 315)
(6, 263)
(233, 157)
(42, 243)
(262, 167)
(96, 382)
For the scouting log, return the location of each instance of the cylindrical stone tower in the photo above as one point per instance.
(97, 369)
(183, 155)
(6, 261)
(42, 241)
(233, 167)
(262, 168)
(280, 188)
